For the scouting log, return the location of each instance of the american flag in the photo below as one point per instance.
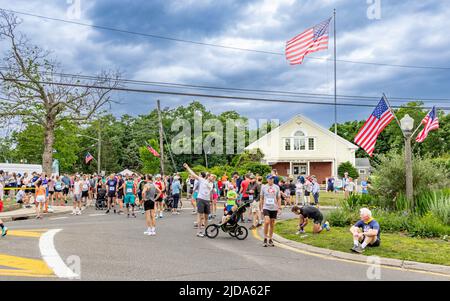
(153, 151)
(309, 41)
(88, 158)
(430, 122)
(378, 120)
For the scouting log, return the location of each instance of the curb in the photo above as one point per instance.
(30, 215)
(398, 263)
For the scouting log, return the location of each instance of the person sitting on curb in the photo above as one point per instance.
(367, 231)
(307, 212)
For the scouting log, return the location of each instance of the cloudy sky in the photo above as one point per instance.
(407, 33)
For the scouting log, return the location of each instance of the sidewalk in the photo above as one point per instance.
(26, 213)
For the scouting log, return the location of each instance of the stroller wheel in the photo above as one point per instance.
(212, 231)
(241, 233)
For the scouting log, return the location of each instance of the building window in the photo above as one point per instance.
(311, 145)
(287, 144)
(362, 171)
(299, 140)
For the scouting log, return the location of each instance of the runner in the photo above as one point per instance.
(310, 212)
(140, 185)
(58, 191)
(4, 228)
(112, 188)
(150, 193)
(129, 191)
(66, 180)
(270, 204)
(194, 185)
(85, 185)
(120, 190)
(204, 198)
(51, 193)
(159, 201)
(77, 194)
(176, 191)
(215, 197)
(39, 198)
(243, 191)
(253, 196)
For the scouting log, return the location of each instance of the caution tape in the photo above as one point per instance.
(18, 188)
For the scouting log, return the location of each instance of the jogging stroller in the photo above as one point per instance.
(231, 226)
(169, 202)
(100, 203)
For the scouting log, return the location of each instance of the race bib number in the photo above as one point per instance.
(112, 188)
(129, 190)
(250, 197)
(270, 201)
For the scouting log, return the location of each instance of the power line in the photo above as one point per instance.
(217, 45)
(122, 89)
(242, 90)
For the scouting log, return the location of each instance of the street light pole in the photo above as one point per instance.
(99, 155)
(407, 124)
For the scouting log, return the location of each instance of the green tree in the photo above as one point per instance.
(150, 163)
(348, 167)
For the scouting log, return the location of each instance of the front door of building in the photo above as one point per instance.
(299, 169)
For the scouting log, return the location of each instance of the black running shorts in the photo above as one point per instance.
(272, 214)
(149, 205)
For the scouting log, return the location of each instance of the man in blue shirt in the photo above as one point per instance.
(366, 231)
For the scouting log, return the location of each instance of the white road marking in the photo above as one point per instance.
(52, 258)
(55, 218)
(97, 214)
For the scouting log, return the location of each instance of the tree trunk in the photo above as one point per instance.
(49, 140)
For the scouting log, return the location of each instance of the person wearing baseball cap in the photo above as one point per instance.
(271, 206)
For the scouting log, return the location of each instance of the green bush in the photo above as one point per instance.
(411, 224)
(440, 208)
(255, 168)
(361, 200)
(348, 167)
(388, 181)
(341, 217)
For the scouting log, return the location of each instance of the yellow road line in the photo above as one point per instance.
(24, 267)
(26, 233)
(327, 257)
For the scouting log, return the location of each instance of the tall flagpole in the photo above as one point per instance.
(335, 99)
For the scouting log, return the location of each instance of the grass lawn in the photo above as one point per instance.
(330, 198)
(393, 245)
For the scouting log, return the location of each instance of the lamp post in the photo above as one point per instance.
(407, 125)
(99, 144)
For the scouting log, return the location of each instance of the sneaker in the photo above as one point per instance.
(153, 233)
(326, 226)
(147, 232)
(4, 231)
(79, 212)
(133, 215)
(357, 249)
(265, 242)
(252, 227)
(107, 211)
(74, 212)
(114, 211)
(200, 234)
(271, 243)
(160, 215)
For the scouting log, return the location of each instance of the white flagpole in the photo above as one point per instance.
(335, 99)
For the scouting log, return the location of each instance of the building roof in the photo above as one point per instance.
(362, 162)
(312, 123)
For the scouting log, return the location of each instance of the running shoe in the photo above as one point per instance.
(4, 231)
(114, 210)
(107, 211)
(357, 249)
(147, 232)
(161, 215)
(200, 234)
(271, 243)
(326, 225)
(133, 215)
(265, 242)
(252, 227)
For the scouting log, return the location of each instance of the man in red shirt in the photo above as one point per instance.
(243, 191)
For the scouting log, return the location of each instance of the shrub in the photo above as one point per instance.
(428, 226)
(440, 208)
(348, 167)
(388, 181)
(342, 217)
(255, 168)
(361, 200)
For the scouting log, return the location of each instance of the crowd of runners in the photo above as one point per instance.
(155, 195)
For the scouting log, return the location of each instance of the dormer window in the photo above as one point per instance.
(299, 142)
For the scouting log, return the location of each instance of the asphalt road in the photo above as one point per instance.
(112, 247)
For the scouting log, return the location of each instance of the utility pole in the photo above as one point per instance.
(335, 99)
(161, 141)
(99, 156)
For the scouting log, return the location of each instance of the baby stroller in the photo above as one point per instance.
(231, 226)
(169, 202)
(100, 203)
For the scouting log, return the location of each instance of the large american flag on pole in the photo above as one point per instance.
(309, 41)
(378, 120)
(430, 122)
(88, 158)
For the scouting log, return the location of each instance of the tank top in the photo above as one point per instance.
(40, 190)
(129, 185)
